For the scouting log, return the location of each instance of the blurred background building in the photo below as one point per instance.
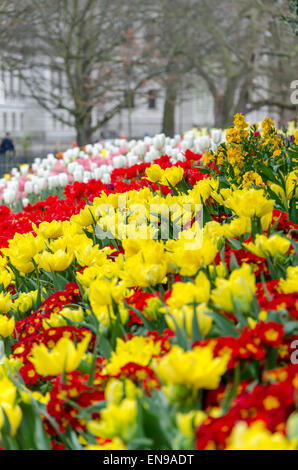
(35, 131)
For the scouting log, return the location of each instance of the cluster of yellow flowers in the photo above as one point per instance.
(169, 246)
(145, 262)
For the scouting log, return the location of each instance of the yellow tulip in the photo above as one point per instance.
(184, 316)
(256, 437)
(58, 261)
(111, 444)
(6, 326)
(22, 249)
(25, 301)
(249, 203)
(289, 285)
(65, 356)
(7, 404)
(197, 368)
(154, 173)
(48, 230)
(239, 288)
(14, 415)
(172, 176)
(264, 246)
(5, 302)
(138, 350)
(116, 420)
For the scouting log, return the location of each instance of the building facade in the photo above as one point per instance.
(36, 132)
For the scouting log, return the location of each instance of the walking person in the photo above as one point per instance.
(7, 145)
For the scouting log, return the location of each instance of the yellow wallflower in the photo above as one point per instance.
(65, 356)
(235, 156)
(233, 136)
(251, 178)
(240, 122)
(267, 126)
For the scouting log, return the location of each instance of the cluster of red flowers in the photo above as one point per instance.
(271, 403)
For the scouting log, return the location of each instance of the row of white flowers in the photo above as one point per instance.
(98, 161)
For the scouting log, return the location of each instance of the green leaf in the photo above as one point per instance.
(196, 334)
(235, 244)
(226, 326)
(231, 390)
(41, 440)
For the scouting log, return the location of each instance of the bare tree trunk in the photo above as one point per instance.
(83, 130)
(168, 122)
(218, 109)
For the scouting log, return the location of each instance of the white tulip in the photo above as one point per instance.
(63, 180)
(106, 178)
(28, 187)
(87, 176)
(9, 196)
(132, 160)
(119, 161)
(140, 150)
(203, 144)
(216, 135)
(78, 175)
(25, 202)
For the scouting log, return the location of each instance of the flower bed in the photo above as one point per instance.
(156, 308)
